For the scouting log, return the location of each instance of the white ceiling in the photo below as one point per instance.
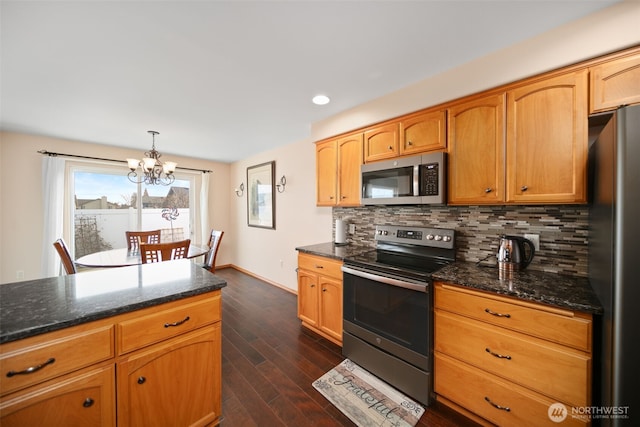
(224, 80)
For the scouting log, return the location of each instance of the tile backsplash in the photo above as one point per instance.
(563, 230)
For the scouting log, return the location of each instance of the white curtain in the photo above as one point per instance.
(53, 204)
(204, 208)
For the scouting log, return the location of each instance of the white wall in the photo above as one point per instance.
(271, 254)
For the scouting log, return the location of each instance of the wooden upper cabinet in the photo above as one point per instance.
(476, 151)
(423, 132)
(547, 140)
(349, 162)
(338, 171)
(326, 173)
(381, 143)
(615, 83)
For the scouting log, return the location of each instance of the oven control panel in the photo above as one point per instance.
(424, 236)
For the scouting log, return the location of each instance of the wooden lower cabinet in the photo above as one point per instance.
(320, 295)
(493, 357)
(157, 366)
(175, 383)
(77, 400)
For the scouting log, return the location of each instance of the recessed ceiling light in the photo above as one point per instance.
(320, 99)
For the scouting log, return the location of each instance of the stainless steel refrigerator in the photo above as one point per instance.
(614, 263)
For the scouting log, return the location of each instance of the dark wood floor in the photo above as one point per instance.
(269, 362)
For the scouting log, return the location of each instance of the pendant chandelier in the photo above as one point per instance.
(153, 172)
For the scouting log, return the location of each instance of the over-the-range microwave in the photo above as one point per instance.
(416, 180)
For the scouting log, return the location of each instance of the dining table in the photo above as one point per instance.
(123, 257)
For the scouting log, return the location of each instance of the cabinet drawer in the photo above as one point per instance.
(76, 400)
(55, 354)
(545, 367)
(470, 388)
(557, 325)
(324, 266)
(169, 322)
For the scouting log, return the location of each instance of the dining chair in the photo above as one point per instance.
(65, 256)
(158, 252)
(214, 245)
(134, 238)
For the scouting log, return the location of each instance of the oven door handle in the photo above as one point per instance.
(388, 280)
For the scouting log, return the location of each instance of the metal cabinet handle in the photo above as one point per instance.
(178, 323)
(502, 408)
(390, 147)
(31, 369)
(499, 356)
(88, 402)
(488, 190)
(142, 380)
(524, 188)
(493, 313)
(324, 289)
(409, 142)
(319, 266)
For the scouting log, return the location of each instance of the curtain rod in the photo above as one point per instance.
(49, 153)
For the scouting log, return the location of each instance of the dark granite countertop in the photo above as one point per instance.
(572, 293)
(331, 250)
(35, 307)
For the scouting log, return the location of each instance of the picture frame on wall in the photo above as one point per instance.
(261, 202)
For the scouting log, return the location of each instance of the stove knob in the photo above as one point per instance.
(446, 238)
(385, 232)
(438, 237)
(429, 236)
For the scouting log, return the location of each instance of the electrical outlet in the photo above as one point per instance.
(352, 228)
(20, 274)
(535, 239)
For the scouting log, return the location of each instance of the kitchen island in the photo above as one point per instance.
(148, 334)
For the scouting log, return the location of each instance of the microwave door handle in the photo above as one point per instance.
(416, 180)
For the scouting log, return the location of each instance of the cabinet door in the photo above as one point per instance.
(349, 161)
(547, 140)
(476, 151)
(326, 172)
(422, 133)
(80, 400)
(615, 83)
(381, 143)
(174, 383)
(331, 306)
(308, 297)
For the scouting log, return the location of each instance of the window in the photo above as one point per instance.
(105, 204)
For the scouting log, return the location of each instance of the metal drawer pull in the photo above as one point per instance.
(502, 408)
(32, 369)
(493, 313)
(142, 380)
(319, 266)
(499, 356)
(88, 402)
(488, 190)
(167, 325)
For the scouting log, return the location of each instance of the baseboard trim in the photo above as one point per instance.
(264, 279)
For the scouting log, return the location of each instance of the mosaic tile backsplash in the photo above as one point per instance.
(563, 230)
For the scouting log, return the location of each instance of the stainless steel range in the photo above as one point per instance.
(387, 308)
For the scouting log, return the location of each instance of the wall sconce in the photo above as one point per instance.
(283, 182)
(240, 191)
